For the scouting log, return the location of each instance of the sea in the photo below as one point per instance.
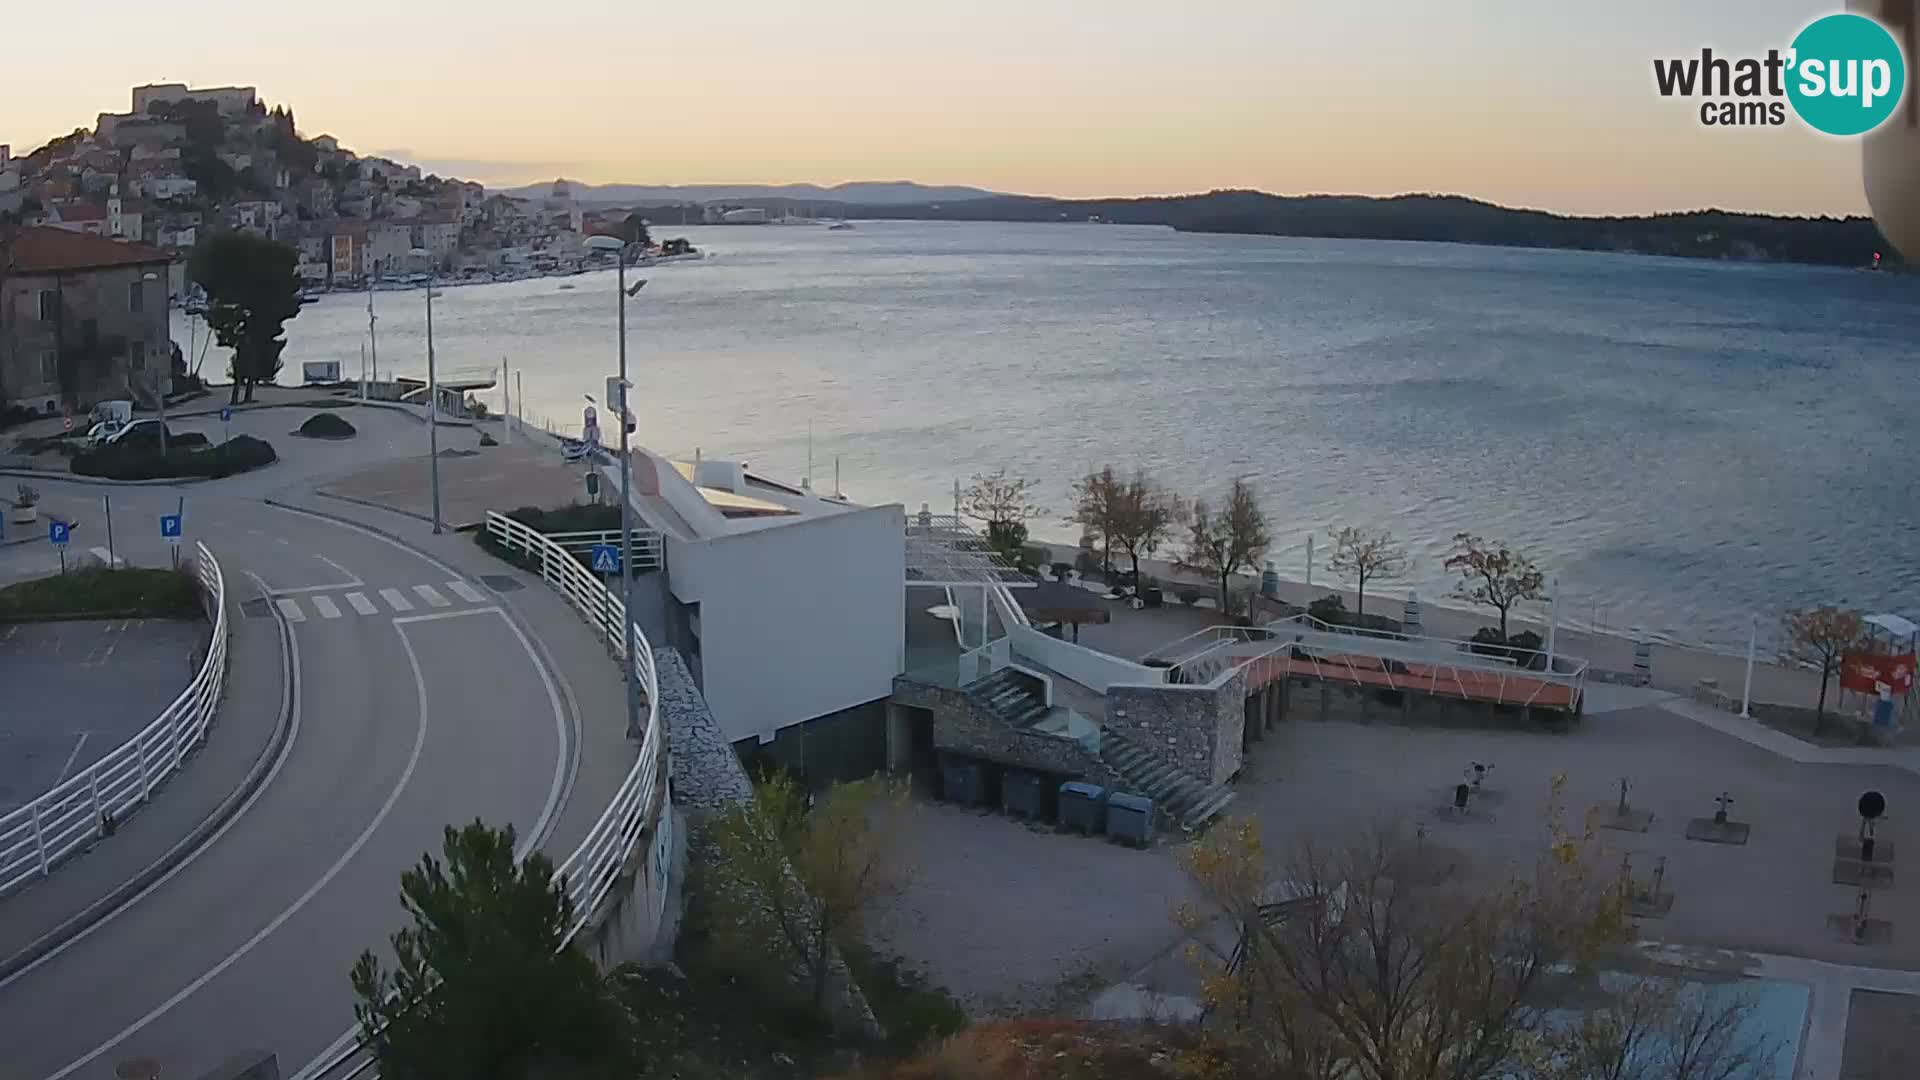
(1683, 446)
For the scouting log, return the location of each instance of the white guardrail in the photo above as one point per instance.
(85, 806)
(593, 868)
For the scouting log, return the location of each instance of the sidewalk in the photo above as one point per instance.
(1783, 745)
(587, 678)
(210, 786)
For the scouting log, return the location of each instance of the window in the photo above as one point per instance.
(138, 355)
(50, 367)
(49, 305)
(137, 297)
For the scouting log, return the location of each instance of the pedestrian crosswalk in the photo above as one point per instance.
(321, 605)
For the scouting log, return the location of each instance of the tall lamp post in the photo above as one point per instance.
(433, 392)
(619, 247)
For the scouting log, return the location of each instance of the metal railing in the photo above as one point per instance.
(590, 873)
(593, 868)
(94, 801)
(648, 551)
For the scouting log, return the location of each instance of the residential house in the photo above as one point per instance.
(326, 144)
(168, 186)
(315, 264)
(346, 246)
(389, 243)
(82, 318)
(441, 236)
(261, 217)
(78, 217)
(404, 207)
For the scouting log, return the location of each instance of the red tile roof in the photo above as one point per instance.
(80, 212)
(46, 250)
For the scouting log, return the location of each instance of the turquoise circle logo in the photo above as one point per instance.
(1848, 74)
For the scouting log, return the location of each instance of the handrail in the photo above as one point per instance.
(84, 807)
(593, 868)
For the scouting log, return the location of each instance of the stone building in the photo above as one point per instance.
(83, 318)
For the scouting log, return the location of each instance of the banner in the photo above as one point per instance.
(1866, 673)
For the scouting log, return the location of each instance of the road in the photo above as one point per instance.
(417, 703)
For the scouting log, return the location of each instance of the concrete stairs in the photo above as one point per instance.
(1011, 696)
(1175, 792)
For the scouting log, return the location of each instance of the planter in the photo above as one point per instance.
(1151, 597)
(22, 515)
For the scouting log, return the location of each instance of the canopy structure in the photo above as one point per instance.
(1896, 626)
(943, 551)
(1059, 602)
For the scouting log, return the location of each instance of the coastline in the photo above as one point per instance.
(1677, 668)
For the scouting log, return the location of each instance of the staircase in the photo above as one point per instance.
(1011, 696)
(1175, 792)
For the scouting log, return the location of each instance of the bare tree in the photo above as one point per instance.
(1822, 636)
(1223, 542)
(1147, 515)
(1493, 575)
(1004, 504)
(795, 882)
(1364, 556)
(1097, 509)
(1380, 960)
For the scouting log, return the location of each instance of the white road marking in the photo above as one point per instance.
(466, 592)
(352, 578)
(326, 607)
(432, 596)
(291, 609)
(361, 604)
(396, 600)
(247, 946)
(290, 702)
(438, 615)
(71, 758)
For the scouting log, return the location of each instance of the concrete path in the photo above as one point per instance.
(401, 723)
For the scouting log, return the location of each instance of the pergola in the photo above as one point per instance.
(1059, 602)
(943, 552)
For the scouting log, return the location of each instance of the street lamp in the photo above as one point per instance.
(161, 384)
(619, 247)
(433, 393)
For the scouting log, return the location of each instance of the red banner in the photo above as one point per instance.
(1866, 673)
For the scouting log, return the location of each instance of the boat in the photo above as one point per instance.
(839, 226)
(565, 285)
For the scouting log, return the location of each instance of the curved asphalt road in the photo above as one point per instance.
(407, 720)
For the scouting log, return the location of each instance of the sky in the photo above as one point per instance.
(1547, 104)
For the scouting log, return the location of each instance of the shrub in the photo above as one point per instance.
(1329, 609)
(160, 594)
(120, 462)
(189, 439)
(487, 439)
(326, 426)
(1488, 642)
(1188, 595)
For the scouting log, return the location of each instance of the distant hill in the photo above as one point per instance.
(868, 192)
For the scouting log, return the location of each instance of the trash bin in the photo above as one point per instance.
(963, 782)
(1082, 806)
(1130, 818)
(1023, 795)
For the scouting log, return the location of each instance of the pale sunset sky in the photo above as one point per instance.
(1548, 104)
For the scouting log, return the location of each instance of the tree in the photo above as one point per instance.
(484, 983)
(1381, 960)
(1096, 509)
(796, 882)
(1004, 504)
(1222, 543)
(1822, 636)
(1493, 575)
(1145, 515)
(251, 292)
(1656, 1028)
(1365, 556)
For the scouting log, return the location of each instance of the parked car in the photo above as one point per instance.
(139, 433)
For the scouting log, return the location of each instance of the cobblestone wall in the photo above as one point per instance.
(964, 727)
(1197, 728)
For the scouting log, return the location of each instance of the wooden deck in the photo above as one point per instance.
(1518, 688)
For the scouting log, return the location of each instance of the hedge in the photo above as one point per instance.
(154, 594)
(326, 426)
(116, 462)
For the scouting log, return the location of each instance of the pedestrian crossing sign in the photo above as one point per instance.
(606, 559)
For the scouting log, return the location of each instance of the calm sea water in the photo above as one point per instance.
(1678, 442)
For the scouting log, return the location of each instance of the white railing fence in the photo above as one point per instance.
(590, 873)
(595, 865)
(94, 801)
(649, 553)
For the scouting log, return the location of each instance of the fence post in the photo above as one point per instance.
(140, 756)
(93, 784)
(40, 839)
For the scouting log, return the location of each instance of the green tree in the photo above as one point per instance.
(485, 985)
(1004, 504)
(1822, 637)
(251, 292)
(795, 881)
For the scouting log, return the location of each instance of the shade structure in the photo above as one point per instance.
(1059, 602)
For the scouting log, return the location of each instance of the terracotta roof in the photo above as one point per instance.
(80, 212)
(45, 250)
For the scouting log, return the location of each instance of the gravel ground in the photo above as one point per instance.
(1010, 918)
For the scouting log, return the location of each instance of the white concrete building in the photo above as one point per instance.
(786, 603)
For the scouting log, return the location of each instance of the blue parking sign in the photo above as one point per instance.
(606, 559)
(57, 532)
(226, 414)
(170, 526)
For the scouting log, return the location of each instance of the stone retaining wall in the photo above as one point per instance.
(1197, 728)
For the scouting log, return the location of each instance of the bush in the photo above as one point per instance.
(156, 594)
(189, 439)
(487, 439)
(1086, 562)
(1188, 595)
(1329, 609)
(120, 462)
(326, 426)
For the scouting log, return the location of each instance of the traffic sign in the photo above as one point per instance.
(57, 532)
(593, 484)
(226, 414)
(606, 559)
(170, 527)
